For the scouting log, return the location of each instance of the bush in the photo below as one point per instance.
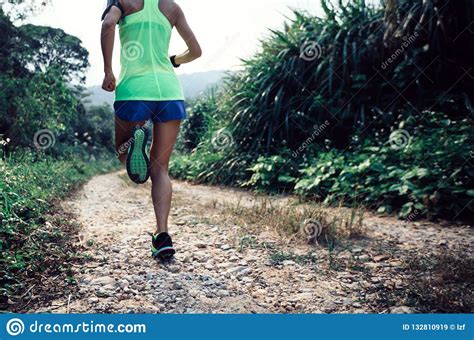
(328, 124)
(428, 175)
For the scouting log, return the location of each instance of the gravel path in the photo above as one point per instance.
(222, 267)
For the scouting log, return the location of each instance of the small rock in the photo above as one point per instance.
(193, 293)
(173, 269)
(331, 307)
(93, 300)
(401, 310)
(201, 245)
(356, 250)
(109, 287)
(226, 247)
(289, 263)
(102, 293)
(372, 265)
(375, 279)
(234, 270)
(303, 297)
(223, 293)
(381, 258)
(244, 272)
(103, 281)
(177, 286)
(347, 302)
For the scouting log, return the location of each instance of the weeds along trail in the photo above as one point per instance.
(241, 253)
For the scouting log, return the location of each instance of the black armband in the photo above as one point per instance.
(173, 61)
(110, 4)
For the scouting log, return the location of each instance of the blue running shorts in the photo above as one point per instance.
(158, 111)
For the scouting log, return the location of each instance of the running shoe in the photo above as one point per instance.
(162, 247)
(138, 163)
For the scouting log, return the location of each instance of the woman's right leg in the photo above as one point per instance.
(123, 136)
(164, 139)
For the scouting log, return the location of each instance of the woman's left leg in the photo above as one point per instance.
(164, 140)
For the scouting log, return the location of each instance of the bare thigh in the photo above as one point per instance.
(164, 140)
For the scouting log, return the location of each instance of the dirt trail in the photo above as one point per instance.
(224, 268)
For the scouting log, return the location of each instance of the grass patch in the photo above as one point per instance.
(310, 223)
(431, 283)
(441, 283)
(35, 236)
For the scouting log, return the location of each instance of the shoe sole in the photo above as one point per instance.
(138, 163)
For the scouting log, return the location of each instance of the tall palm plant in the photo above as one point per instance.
(279, 97)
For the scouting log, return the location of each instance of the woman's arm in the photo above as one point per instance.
(107, 42)
(194, 49)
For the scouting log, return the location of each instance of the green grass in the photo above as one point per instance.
(34, 233)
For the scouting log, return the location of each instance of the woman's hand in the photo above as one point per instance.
(109, 82)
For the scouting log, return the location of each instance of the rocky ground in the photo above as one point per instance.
(230, 263)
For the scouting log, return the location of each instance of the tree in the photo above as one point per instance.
(22, 9)
(49, 47)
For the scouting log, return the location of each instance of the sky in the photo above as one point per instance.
(226, 29)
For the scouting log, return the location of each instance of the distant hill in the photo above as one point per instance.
(194, 84)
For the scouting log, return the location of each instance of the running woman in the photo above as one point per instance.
(148, 89)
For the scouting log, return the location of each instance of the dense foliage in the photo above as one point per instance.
(368, 103)
(29, 244)
(50, 142)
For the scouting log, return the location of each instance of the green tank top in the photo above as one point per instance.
(146, 70)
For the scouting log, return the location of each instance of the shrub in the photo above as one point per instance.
(26, 243)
